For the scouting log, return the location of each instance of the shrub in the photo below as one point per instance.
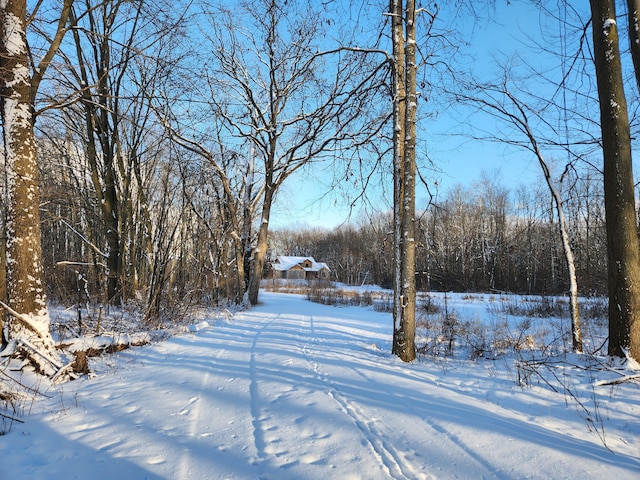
(542, 307)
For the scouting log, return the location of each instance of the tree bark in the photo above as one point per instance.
(622, 239)
(633, 14)
(404, 139)
(260, 251)
(399, 113)
(3, 281)
(23, 247)
(576, 329)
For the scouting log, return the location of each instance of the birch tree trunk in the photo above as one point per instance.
(576, 329)
(623, 249)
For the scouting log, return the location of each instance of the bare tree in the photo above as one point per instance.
(100, 84)
(501, 103)
(120, 51)
(289, 98)
(228, 183)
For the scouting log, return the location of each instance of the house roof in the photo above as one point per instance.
(284, 263)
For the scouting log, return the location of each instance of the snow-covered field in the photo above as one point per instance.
(295, 390)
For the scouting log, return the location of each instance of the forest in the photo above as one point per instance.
(146, 143)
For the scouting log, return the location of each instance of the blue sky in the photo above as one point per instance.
(507, 30)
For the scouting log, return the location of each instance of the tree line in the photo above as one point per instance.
(483, 237)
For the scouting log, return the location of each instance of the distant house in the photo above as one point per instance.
(300, 268)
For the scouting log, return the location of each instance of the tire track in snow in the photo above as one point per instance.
(382, 449)
(254, 394)
(455, 440)
(192, 410)
(194, 419)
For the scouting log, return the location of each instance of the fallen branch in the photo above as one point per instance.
(27, 345)
(617, 381)
(58, 368)
(26, 387)
(34, 352)
(23, 318)
(13, 419)
(67, 369)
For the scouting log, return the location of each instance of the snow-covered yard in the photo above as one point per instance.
(296, 390)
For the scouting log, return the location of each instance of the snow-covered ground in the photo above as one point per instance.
(295, 390)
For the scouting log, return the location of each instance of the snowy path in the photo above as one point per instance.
(292, 390)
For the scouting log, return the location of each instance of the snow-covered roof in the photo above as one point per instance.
(284, 263)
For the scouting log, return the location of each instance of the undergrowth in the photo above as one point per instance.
(82, 332)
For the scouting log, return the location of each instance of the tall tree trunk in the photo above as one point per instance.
(623, 249)
(3, 280)
(108, 134)
(96, 122)
(399, 113)
(633, 15)
(405, 111)
(112, 227)
(576, 329)
(260, 251)
(23, 248)
(247, 217)
(3, 236)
